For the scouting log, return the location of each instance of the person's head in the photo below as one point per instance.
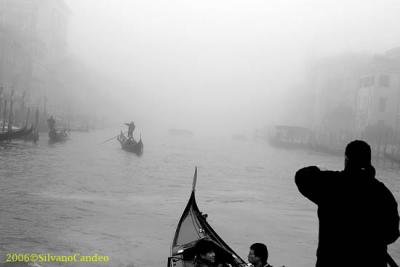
(205, 250)
(258, 254)
(357, 155)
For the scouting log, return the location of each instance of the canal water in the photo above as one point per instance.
(88, 197)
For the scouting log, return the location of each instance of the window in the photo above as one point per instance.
(382, 104)
(384, 80)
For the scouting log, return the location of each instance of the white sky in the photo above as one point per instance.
(219, 64)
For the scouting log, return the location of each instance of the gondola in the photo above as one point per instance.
(33, 136)
(193, 227)
(130, 144)
(27, 132)
(56, 136)
(16, 134)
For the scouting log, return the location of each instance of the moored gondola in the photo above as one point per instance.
(193, 227)
(33, 136)
(130, 144)
(27, 132)
(15, 134)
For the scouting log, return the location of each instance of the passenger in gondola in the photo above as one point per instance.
(258, 255)
(131, 128)
(205, 254)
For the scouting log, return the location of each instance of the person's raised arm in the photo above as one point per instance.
(311, 182)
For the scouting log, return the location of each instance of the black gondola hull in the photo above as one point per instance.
(18, 134)
(193, 227)
(130, 145)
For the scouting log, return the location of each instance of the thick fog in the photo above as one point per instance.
(218, 66)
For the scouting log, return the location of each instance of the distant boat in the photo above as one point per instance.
(293, 137)
(56, 136)
(130, 144)
(180, 132)
(290, 137)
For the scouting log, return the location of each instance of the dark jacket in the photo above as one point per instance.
(357, 214)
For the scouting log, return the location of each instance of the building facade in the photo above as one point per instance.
(334, 82)
(378, 101)
(33, 34)
(357, 97)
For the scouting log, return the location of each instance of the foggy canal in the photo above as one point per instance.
(88, 197)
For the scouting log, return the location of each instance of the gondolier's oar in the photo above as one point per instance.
(111, 138)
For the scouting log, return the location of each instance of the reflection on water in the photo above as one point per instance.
(90, 197)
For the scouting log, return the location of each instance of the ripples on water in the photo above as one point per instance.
(86, 197)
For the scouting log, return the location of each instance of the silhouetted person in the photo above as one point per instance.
(357, 214)
(51, 122)
(131, 128)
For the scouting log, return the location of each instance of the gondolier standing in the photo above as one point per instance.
(51, 123)
(131, 128)
(358, 215)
